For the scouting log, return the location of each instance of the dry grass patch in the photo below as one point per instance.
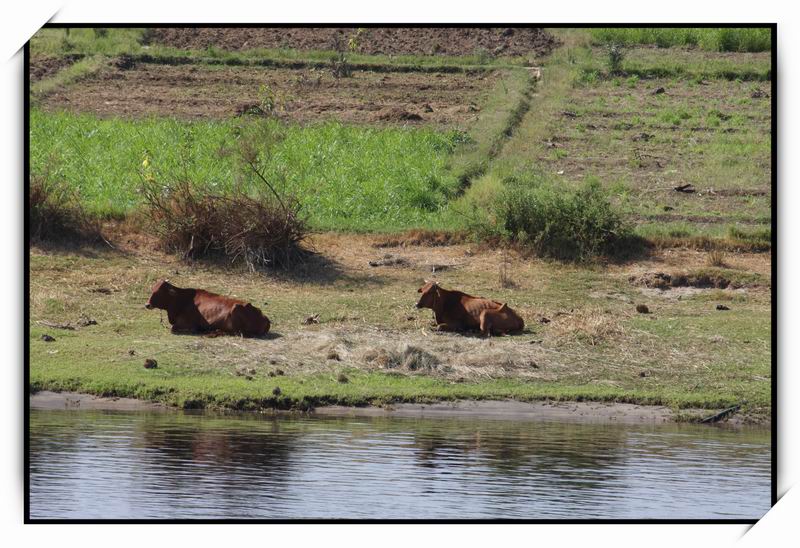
(429, 238)
(590, 326)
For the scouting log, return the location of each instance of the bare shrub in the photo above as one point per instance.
(616, 54)
(56, 214)
(503, 276)
(259, 231)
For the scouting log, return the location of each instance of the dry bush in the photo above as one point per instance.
(407, 357)
(716, 257)
(56, 214)
(259, 231)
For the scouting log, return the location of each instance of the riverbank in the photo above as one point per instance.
(347, 333)
(565, 412)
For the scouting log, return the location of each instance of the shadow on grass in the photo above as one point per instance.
(215, 334)
(90, 248)
(317, 269)
(629, 249)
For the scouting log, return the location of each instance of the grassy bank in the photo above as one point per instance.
(584, 340)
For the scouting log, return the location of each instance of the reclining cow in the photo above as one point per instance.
(196, 310)
(457, 311)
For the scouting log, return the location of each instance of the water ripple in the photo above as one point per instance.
(160, 466)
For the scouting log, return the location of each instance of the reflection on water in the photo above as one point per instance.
(93, 464)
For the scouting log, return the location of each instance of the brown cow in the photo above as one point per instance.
(193, 310)
(457, 311)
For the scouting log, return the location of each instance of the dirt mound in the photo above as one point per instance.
(396, 114)
(46, 67)
(702, 280)
(378, 40)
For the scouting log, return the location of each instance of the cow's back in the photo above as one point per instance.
(461, 310)
(475, 305)
(216, 309)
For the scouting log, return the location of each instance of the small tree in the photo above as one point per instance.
(615, 57)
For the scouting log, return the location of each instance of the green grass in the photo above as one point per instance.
(354, 178)
(214, 391)
(86, 41)
(709, 39)
(185, 378)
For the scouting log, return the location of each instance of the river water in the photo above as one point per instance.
(170, 465)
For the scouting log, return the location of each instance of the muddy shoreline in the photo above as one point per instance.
(571, 412)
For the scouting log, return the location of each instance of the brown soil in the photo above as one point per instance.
(73, 400)
(193, 92)
(46, 67)
(391, 41)
(578, 412)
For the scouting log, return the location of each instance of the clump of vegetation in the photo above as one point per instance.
(56, 214)
(407, 357)
(563, 224)
(255, 230)
(270, 102)
(717, 257)
(260, 228)
(761, 236)
(615, 57)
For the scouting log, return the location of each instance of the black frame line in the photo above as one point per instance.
(773, 288)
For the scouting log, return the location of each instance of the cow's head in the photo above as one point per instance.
(430, 292)
(163, 294)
